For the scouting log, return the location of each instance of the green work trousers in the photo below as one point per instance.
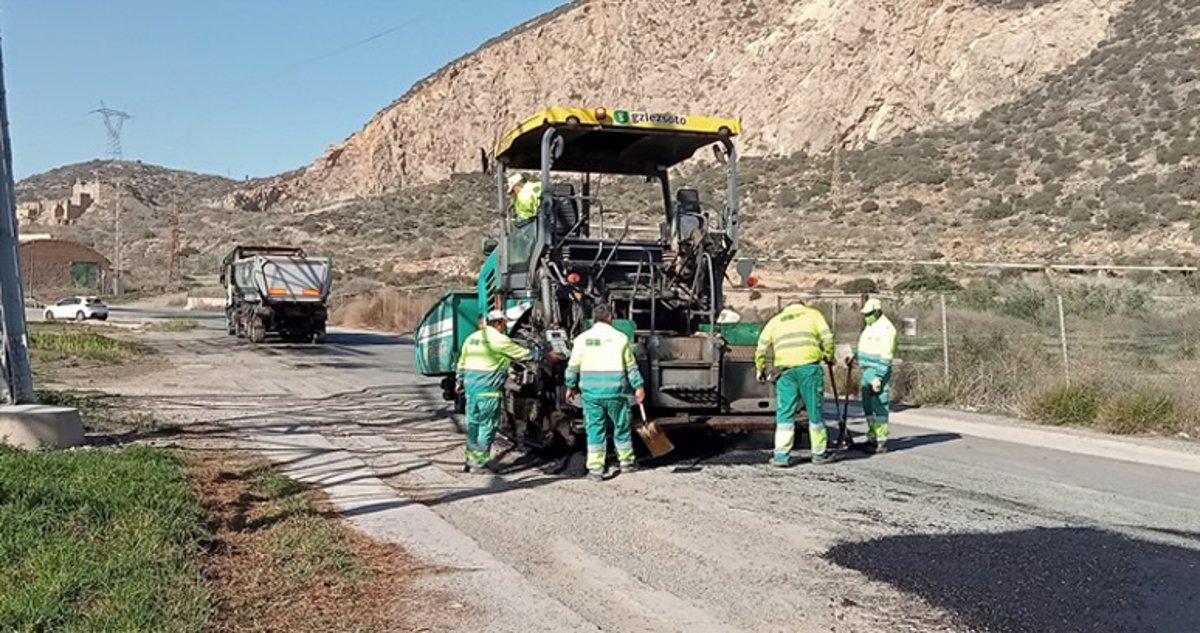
(483, 416)
(597, 413)
(875, 405)
(806, 384)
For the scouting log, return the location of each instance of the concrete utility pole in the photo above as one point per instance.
(173, 245)
(22, 423)
(18, 380)
(117, 286)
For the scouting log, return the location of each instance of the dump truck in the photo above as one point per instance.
(276, 290)
(666, 289)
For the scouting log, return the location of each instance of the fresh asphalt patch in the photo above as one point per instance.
(1068, 580)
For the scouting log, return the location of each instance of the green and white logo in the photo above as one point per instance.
(621, 117)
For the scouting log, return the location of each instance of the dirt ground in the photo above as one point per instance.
(283, 565)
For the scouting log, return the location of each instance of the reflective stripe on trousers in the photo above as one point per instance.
(806, 384)
(875, 405)
(597, 412)
(483, 416)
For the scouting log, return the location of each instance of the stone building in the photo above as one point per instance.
(50, 267)
(63, 211)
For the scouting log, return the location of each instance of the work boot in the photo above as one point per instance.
(476, 469)
(824, 458)
(596, 475)
(627, 467)
(874, 448)
(779, 463)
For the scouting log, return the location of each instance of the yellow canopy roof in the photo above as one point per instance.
(603, 140)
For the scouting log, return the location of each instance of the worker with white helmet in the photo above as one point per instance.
(527, 196)
(603, 370)
(482, 371)
(875, 354)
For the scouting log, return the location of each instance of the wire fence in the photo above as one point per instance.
(1068, 334)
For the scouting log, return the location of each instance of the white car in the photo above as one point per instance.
(78, 308)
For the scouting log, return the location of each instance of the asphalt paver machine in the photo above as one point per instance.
(666, 288)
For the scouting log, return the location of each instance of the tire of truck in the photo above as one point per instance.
(257, 330)
(230, 324)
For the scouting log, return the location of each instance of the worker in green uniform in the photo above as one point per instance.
(603, 369)
(875, 353)
(797, 341)
(482, 371)
(527, 197)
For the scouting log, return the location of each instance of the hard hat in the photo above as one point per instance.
(496, 315)
(515, 180)
(872, 305)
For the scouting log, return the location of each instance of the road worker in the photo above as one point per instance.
(527, 197)
(875, 353)
(482, 371)
(798, 340)
(603, 368)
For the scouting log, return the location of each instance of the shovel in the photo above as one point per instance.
(653, 437)
(844, 439)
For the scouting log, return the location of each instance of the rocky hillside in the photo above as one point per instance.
(152, 183)
(145, 193)
(1099, 162)
(800, 74)
(1096, 161)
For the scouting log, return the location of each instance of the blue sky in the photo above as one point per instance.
(230, 87)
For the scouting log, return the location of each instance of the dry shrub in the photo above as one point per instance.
(1066, 404)
(1141, 408)
(987, 372)
(1125, 406)
(384, 309)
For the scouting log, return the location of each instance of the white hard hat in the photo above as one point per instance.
(872, 305)
(515, 180)
(496, 315)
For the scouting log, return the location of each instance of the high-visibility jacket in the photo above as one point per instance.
(602, 364)
(797, 336)
(483, 362)
(876, 349)
(529, 198)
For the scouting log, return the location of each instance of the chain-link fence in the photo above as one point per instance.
(1100, 355)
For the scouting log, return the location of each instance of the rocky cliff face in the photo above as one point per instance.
(802, 74)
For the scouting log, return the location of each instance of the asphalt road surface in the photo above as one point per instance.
(947, 532)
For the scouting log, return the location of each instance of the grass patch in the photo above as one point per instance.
(307, 546)
(91, 405)
(102, 412)
(99, 541)
(274, 485)
(85, 345)
(173, 325)
(1066, 405)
